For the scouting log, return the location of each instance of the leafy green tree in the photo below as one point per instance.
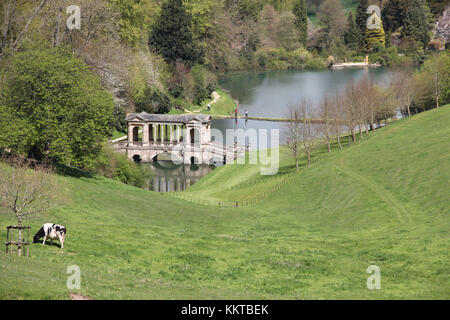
(416, 25)
(301, 20)
(361, 18)
(393, 13)
(53, 106)
(172, 35)
(333, 21)
(352, 36)
(153, 100)
(133, 19)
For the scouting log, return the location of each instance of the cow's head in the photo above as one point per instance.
(35, 238)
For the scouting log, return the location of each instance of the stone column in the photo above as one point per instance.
(162, 132)
(145, 134)
(178, 133)
(171, 133)
(130, 133)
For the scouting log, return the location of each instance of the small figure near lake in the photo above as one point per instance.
(209, 106)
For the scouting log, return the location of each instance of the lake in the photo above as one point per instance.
(265, 94)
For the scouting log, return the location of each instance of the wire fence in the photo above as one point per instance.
(261, 196)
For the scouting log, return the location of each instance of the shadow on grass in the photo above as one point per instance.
(72, 172)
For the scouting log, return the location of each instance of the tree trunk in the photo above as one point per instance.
(296, 164)
(19, 238)
(339, 141)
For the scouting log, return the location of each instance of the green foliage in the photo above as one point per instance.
(281, 59)
(353, 35)
(134, 19)
(117, 166)
(388, 57)
(435, 70)
(301, 20)
(361, 18)
(393, 14)
(416, 25)
(53, 106)
(172, 36)
(153, 100)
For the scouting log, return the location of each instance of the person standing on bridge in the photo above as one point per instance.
(246, 114)
(235, 113)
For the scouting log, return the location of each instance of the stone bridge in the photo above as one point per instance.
(180, 138)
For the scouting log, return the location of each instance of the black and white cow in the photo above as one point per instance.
(52, 231)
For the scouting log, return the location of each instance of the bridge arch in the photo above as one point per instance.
(194, 136)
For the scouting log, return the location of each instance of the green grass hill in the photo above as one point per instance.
(383, 201)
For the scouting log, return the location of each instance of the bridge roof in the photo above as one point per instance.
(168, 118)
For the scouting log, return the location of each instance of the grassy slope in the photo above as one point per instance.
(383, 201)
(223, 107)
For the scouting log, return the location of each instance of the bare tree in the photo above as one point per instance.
(338, 114)
(403, 87)
(325, 113)
(292, 133)
(308, 128)
(25, 192)
(350, 103)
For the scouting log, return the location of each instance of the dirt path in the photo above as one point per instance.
(216, 98)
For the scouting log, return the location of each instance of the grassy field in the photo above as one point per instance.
(383, 201)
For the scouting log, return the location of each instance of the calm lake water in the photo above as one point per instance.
(269, 94)
(266, 94)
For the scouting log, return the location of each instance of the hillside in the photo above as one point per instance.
(381, 202)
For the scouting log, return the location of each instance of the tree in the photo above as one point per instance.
(393, 14)
(308, 128)
(438, 70)
(325, 114)
(53, 107)
(361, 18)
(352, 36)
(338, 114)
(301, 20)
(332, 18)
(25, 192)
(415, 24)
(300, 132)
(292, 133)
(172, 36)
(403, 87)
(350, 104)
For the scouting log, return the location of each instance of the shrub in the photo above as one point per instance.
(117, 166)
(316, 63)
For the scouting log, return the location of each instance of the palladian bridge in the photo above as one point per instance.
(185, 138)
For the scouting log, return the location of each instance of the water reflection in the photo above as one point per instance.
(169, 177)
